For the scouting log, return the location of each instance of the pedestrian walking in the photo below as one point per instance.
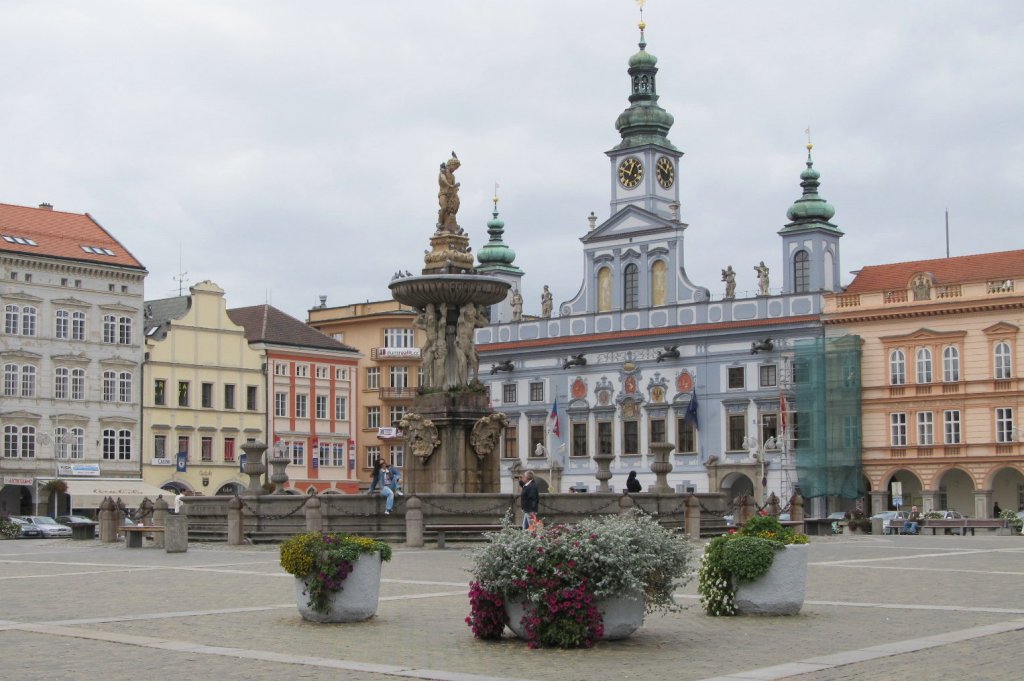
(529, 499)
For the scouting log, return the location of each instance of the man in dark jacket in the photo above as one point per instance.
(530, 498)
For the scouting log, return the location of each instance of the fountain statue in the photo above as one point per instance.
(452, 431)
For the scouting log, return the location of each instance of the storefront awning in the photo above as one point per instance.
(90, 493)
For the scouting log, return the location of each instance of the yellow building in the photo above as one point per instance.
(203, 394)
(940, 375)
(389, 372)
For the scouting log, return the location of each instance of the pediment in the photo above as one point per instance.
(23, 296)
(18, 353)
(20, 414)
(1001, 328)
(118, 307)
(924, 334)
(631, 221)
(71, 302)
(74, 359)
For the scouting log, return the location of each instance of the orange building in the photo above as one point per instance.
(384, 332)
(310, 383)
(941, 379)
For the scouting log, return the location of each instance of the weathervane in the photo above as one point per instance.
(495, 199)
(808, 133)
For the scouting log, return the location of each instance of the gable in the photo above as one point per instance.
(632, 222)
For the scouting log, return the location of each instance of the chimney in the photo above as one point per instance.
(592, 219)
(323, 301)
(46, 206)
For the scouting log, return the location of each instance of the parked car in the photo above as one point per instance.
(81, 526)
(946, 515)
(48, 526)
(72, 519)
(28, 530)
(887, 517)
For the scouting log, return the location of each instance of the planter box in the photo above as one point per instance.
(622, 616)
(357, 601)
(781, 590)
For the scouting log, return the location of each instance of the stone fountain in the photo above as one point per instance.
(452, 434)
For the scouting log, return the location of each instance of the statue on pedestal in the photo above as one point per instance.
(729, 277)
(546, 304)
(762, 278)
(517, 306)
(448, 196)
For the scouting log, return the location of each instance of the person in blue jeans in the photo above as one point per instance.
(913, 523)
(375, 476)
(389, 477)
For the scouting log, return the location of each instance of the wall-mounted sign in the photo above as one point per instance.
(158, 461)
(91, 469)
(410, 353)
(10, 480)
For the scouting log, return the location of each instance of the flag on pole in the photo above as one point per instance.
(554, 416)
(691, 409)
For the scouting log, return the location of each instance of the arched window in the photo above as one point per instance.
(78, 384)
(28, 321)
(10, 380)
(62, 325)
(659, 283)
(631, 287)
(924, 365)
(897, 368)
(61, 380)
(1003, 367)
(801, 272)
(124, 386)
(951, 364)
(28, 381)
(109, 329)
(78, 326)
(109, 386)
(604, 290)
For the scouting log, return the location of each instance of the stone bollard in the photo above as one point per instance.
(773, 505)
(236, 524)
(314, 515)
(414, 522)
(108, 520)
(744, 509)
(145, 512)
(692, 518)
(796, 512)
(626, 504)
(160, 520)
(176, 533)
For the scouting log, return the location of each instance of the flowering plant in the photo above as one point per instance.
(741, 556)
(560, 572)
(323, 560)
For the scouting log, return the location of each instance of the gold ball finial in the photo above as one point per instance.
(809, 146)
(642, 25)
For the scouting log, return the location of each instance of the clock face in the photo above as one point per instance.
(665, 172)
(631, 171)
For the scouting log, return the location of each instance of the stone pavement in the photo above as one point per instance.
(877, 608)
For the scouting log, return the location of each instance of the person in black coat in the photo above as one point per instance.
(529, 498)
(632, 484)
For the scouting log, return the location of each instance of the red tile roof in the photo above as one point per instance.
(959, 270)
(60, 235)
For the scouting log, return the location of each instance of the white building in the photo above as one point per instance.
(71, 348)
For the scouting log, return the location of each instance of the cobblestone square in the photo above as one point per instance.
(877, 608)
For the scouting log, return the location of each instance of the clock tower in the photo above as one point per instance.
(644, 165)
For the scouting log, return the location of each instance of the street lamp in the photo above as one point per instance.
(758, 450)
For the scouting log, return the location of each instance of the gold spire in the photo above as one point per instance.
(495, 199)
(641, 3)
(808, 133)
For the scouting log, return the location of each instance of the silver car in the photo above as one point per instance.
(48, 526)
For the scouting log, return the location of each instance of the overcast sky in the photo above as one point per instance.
(290, 149)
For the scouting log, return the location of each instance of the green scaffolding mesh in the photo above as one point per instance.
(826, 373)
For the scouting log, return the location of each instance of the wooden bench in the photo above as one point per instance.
(133, 534)
(443, 530)
(947, 525)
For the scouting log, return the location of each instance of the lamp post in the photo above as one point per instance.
(758, 451)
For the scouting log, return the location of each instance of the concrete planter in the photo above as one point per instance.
(356, 602)
(781, 590)
(622, 616)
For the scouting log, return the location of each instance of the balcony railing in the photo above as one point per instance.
(897, 296)
(1001, 286)
(849, 300)
(948, 291)
(397, 393)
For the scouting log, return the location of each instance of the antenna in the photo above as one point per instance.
(947, 232)
(182, 276)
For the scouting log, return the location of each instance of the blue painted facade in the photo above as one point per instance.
(652, 339)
